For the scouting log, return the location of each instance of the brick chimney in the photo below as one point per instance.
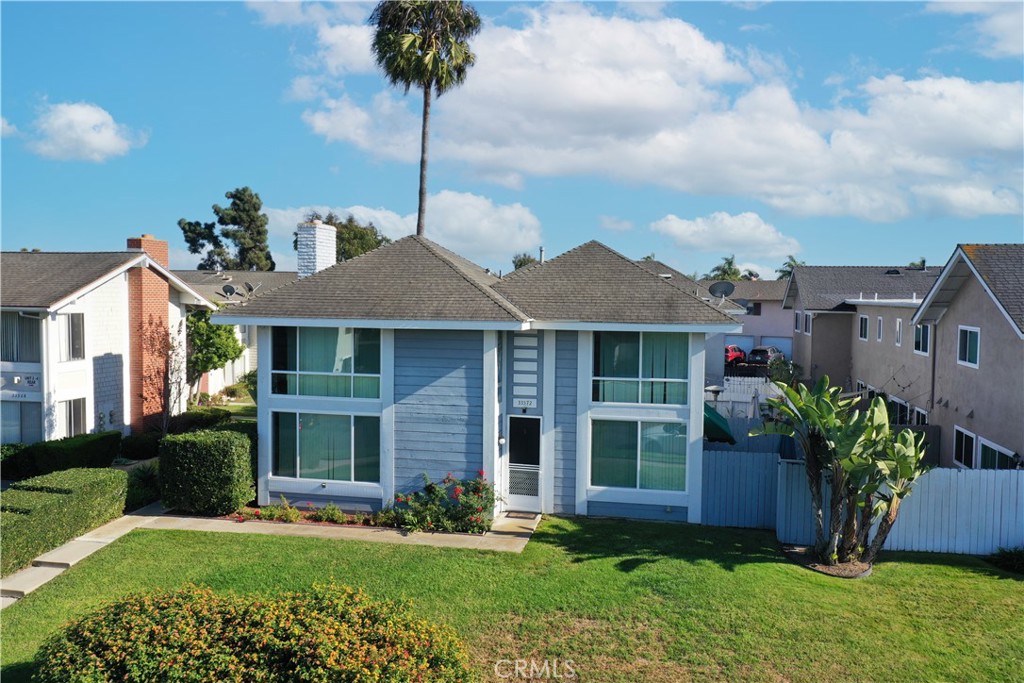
(317, 247)
(148, 302)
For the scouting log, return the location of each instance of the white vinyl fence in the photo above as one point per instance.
(973, 512)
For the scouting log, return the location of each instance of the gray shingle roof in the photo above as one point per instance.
(41, 279)
(211, 283)
(410, 279)
(1002, 268)
(593, 283)
(756, 290)
(825, 288)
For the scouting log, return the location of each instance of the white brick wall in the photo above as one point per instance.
(317, 247)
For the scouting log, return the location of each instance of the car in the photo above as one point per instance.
(734, 355)
(763, 355)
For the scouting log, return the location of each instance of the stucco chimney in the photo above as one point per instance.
(317, 247)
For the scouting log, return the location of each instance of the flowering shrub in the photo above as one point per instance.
(465, 505)
(328, 513)
(327, 633)
(285, 512)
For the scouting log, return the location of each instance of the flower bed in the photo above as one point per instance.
(451, 505)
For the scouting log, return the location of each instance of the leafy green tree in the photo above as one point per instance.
(210, 346)
(522, 260)
(920, 264)
(726, 270)
(354, 238)
(424, 43)
(787, 268)
(749, 274)
(870, 469)
(241, 242)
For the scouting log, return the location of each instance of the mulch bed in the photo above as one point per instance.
(806, 558)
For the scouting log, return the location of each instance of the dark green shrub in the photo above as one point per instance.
(327, 633)
(206, 472)
(197, 418)
(141, 446)
(9, 450)
(1010, 559)
(328, 513)
(143, 486)
(86, 450)
(285, 512)
(41, 513)
(465, 505)
(250, 430)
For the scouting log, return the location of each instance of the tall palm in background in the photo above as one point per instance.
(787, 268)
(726, 270)
(424, 44)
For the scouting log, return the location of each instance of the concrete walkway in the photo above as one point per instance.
(509, 533)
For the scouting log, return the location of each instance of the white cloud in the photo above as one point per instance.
(346, 48)
(746, 234)
(652, 101)
(82, 131)
(468, 224)
(614, 224)
(7, 128)
(966, 201)
(998, 28)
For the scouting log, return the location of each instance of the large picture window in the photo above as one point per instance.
(327, 447)
(22, 422)
(20, 342)
(326, 361)
(638, 455)
(641, 367)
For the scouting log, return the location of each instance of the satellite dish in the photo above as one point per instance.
(722, 289)
(229, 291)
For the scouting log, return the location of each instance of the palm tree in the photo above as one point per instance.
(424, 44)
(787, 268)
(726, 270)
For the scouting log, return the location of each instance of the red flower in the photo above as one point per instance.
(458, 492)
(479, 509)
(256, 513)
(480, 473)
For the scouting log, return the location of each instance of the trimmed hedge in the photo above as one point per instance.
(141, 446)
(41, 513)
(206, 472)
(323, 634)
(85, 450)
(251, 431)
(197, 418)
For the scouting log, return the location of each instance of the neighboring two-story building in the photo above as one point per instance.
(765, 321)
(78, 353)
(975, 313)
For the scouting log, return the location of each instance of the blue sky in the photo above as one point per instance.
(843, 133)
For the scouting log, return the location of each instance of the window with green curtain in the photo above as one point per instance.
(653, 367)
(325, 446)
(663, 456)
(326, 361)
(613, 451)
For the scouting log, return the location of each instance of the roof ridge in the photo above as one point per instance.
(436, 250)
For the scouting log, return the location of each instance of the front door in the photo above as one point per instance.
(523, 490)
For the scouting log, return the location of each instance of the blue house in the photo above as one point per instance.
(576, 385)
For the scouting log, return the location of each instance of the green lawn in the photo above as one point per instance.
(241, 410)
(625, 601)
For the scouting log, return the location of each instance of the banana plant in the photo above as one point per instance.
(901, 466)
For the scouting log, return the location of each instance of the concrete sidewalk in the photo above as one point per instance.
(509, 533)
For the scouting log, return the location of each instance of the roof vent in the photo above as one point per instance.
(892, 271)
(665, 276)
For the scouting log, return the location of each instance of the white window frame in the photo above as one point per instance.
(982, 441)
(640, 380)
(66, 330)
(974, 448)
(917, 420)
(365, 489)
(798, 321)
(862, 328)
(298, 374)
(879, 327)
(899, 331)
(968, 329)
(928, 347)
(623, 493)
(906, 406)
(66, 416)
(861, 387)
(808, 320)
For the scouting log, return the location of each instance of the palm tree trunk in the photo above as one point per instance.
(424, 144)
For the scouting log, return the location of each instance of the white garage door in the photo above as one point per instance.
(744, 341)
(784, 344)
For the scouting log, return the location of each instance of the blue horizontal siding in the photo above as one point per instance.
(565, 423)
(636, 511)
(438, 405)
